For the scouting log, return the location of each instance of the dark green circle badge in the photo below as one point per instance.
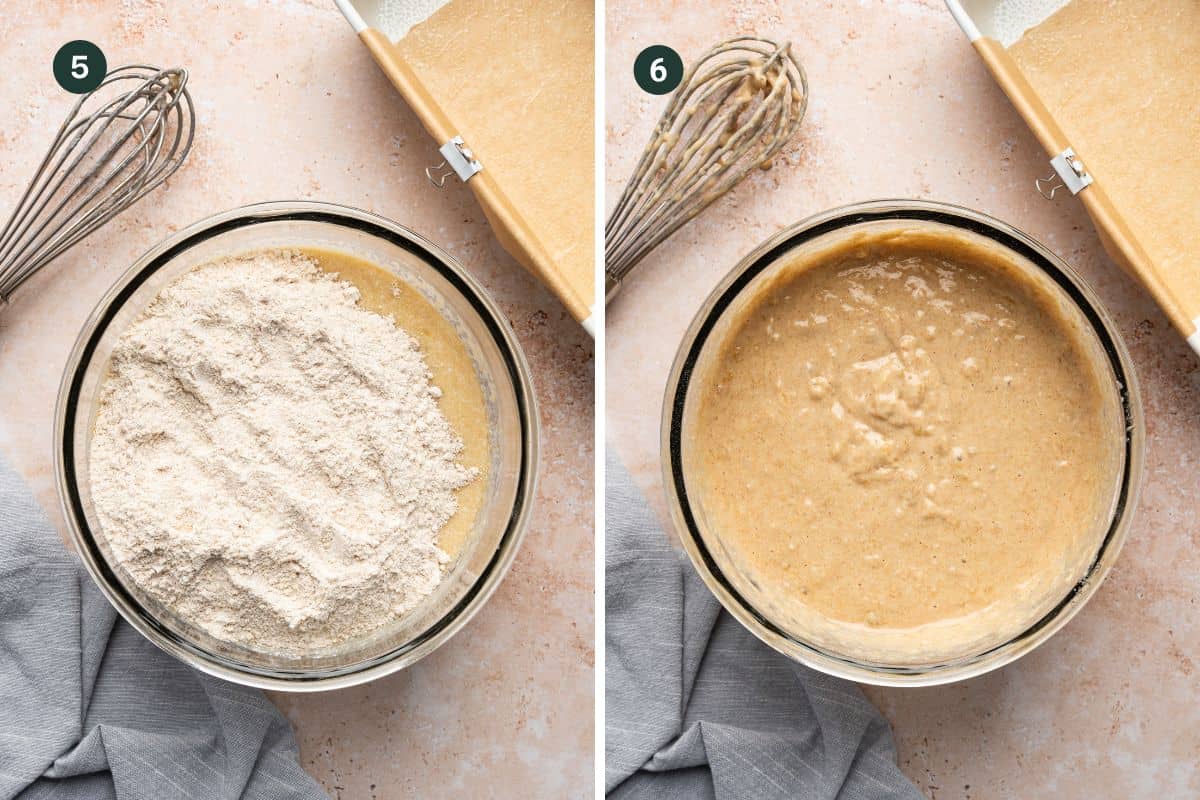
(658, 69)
(79, 66)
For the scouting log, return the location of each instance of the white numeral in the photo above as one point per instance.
(658, 72)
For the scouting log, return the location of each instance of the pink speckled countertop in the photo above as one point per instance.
(902, 107)
(290, 105)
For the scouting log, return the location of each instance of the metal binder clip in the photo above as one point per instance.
(1069, 173)
(457, 160)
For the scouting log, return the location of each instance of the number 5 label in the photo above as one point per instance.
(79, 66)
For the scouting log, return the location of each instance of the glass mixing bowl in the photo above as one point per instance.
(500, 367)
(709, 555)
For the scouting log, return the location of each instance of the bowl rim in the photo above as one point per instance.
(730, 286)
(497, 327)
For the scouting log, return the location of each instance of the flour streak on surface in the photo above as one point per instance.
(269, 460)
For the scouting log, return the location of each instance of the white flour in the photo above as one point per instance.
(269, 459)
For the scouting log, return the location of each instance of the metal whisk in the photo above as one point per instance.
(119, 142)
(733, 111)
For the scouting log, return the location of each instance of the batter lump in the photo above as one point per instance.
(904, 445)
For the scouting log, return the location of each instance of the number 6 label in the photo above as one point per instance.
(79, 66)
(658, 69)
(658, 72)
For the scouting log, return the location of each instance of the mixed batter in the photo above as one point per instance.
(905, 447)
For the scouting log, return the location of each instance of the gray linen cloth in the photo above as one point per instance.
(696, 707)
(89, 709)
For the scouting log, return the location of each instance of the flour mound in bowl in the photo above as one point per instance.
(269, 461)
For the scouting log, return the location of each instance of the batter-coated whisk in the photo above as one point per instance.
(733, 111)
(119, 142)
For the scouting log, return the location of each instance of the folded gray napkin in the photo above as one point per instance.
(90, 709)
(696, 707)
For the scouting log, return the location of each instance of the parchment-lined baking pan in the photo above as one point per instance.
(994, 25)
(496, 60)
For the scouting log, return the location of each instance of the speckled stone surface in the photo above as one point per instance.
(290, 105)
(901, 107)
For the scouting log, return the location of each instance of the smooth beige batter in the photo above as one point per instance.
(905, 447)
(448, 360)
(516, 76)
(1122, 78)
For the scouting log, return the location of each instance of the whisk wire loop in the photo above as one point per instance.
(117, 143)
(735, 108)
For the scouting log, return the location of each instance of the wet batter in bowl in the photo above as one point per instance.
(905, 446)
(450, 369)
